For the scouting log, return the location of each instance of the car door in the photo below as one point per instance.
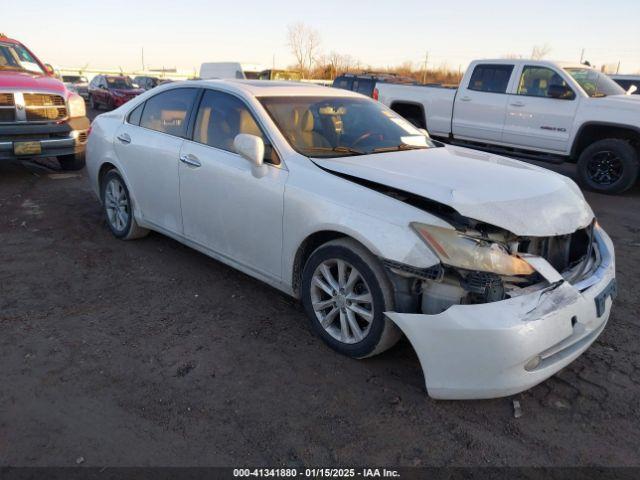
(225, 207)
(480, 106)
(541, 110)
(148, 146)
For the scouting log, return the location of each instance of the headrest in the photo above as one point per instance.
(307, 122)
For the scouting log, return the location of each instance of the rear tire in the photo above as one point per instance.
(608, 166)
(118, 208)
(72, 162)
(344, 323)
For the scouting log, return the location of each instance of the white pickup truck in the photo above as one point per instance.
(533, 109)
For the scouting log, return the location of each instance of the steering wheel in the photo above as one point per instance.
(364, 136)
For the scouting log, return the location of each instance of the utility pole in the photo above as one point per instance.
(273, 63)
(426, 62)
(143, 59)
(582, 56)
(618, 68)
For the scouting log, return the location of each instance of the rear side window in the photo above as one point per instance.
(490, 78)
(168, 112)
(365, 86)
(343, 82)
(135, 115)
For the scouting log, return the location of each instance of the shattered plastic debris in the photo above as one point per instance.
(517, 410)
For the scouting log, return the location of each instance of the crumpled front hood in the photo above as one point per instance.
(13, 80)
(521, 198)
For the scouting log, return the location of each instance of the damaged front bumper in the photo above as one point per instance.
(501, 348)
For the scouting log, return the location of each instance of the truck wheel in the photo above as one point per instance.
(345, 293)
(72, 162)
(608, 166)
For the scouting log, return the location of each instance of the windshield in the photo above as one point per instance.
(74, 79)
(121, 83)
(341, 126)
(594, 83)
(16, 57)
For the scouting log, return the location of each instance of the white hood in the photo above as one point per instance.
(521, 198)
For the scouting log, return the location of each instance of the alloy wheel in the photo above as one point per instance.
(342, 301)
(605, 168)
(117, 205)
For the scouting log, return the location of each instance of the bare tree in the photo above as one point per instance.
(304, 42)
(540, 51)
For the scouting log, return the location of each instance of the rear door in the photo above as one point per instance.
(480, 106)
(536, 116)
(148, 146)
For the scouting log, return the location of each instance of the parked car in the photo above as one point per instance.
(534, 109)
(111, 91)
(39, 116)
(365, 83)
(78, 84)
(495, 270)
(627, 82)
(146, 83)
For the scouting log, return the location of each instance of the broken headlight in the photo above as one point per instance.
(458, 249)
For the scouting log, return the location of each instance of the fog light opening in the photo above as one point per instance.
(533, 363)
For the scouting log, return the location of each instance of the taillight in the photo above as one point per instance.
(375, 94)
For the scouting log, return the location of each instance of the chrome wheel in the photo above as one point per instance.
(342, 301)
(116, 204)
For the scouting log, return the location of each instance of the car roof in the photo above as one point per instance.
(270, 88)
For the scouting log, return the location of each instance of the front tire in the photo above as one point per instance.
(93, 105)
(608, 166)
(72, 162)
(345, 292)
(118, 208)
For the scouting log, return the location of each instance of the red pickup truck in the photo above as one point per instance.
(39, 117)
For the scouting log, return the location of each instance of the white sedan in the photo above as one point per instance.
(495, 270)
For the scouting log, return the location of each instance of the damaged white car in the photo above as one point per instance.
(495, 270)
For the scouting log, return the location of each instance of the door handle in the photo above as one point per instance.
(124, 138)
(465, 99)
(190, 160)
(517, 104)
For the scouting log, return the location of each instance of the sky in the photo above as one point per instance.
(185, 33)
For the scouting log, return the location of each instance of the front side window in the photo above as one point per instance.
(16, 57)
(220, 118)
(490, 78)
(340, 126)
(541, 81)
(168, 112)
(594, 83)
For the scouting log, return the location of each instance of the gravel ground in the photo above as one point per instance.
(147, 353)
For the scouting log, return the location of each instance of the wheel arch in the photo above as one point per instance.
(310, 244)
(403, 106)
(591, 132)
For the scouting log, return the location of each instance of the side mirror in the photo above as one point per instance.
(250, 147)
(632, 89)
(560, 91)
(49, 69)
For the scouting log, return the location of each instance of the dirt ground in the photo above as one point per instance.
(147, 353)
